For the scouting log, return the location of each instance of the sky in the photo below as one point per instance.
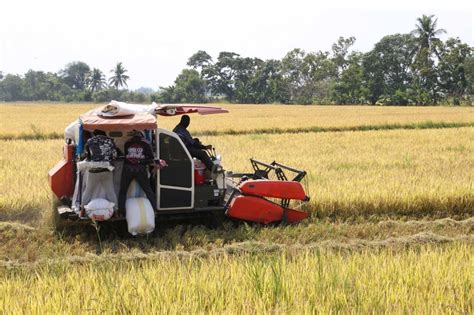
(154, 39)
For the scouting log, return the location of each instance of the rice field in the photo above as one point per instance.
(50, 119)
(404, 172)
(391, 231)
(319, 281)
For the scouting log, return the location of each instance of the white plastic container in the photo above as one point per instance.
(140, 216)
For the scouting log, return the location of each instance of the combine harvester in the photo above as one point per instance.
(181, 190)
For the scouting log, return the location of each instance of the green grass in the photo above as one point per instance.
(21, 243)
(418, 125)
(37, 134)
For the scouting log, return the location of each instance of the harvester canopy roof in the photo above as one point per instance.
(181, 109)
(116, 109)
(124, 123)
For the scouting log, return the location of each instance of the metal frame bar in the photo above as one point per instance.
(300, 174)
(278, 168)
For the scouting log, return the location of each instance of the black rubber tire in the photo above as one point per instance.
(217, 218)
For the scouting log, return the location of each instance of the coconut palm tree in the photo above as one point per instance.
(119, 79)
(96, 80)
(427, 44)
(426, 36)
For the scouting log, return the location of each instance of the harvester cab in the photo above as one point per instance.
(182, 187)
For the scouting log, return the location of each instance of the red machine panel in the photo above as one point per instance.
(61, 176)
(274, 189)
(61, 179)
(294, 216)
(254, 209)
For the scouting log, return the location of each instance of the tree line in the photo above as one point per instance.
(402, 69)
(76, 82)
(417, 68)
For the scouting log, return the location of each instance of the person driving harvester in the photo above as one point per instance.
(194, 146)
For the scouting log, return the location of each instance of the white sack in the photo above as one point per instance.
(135, 190)
(140, 216)
(72, 131)
(99, 209)
(115, 108)
(78, 191)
